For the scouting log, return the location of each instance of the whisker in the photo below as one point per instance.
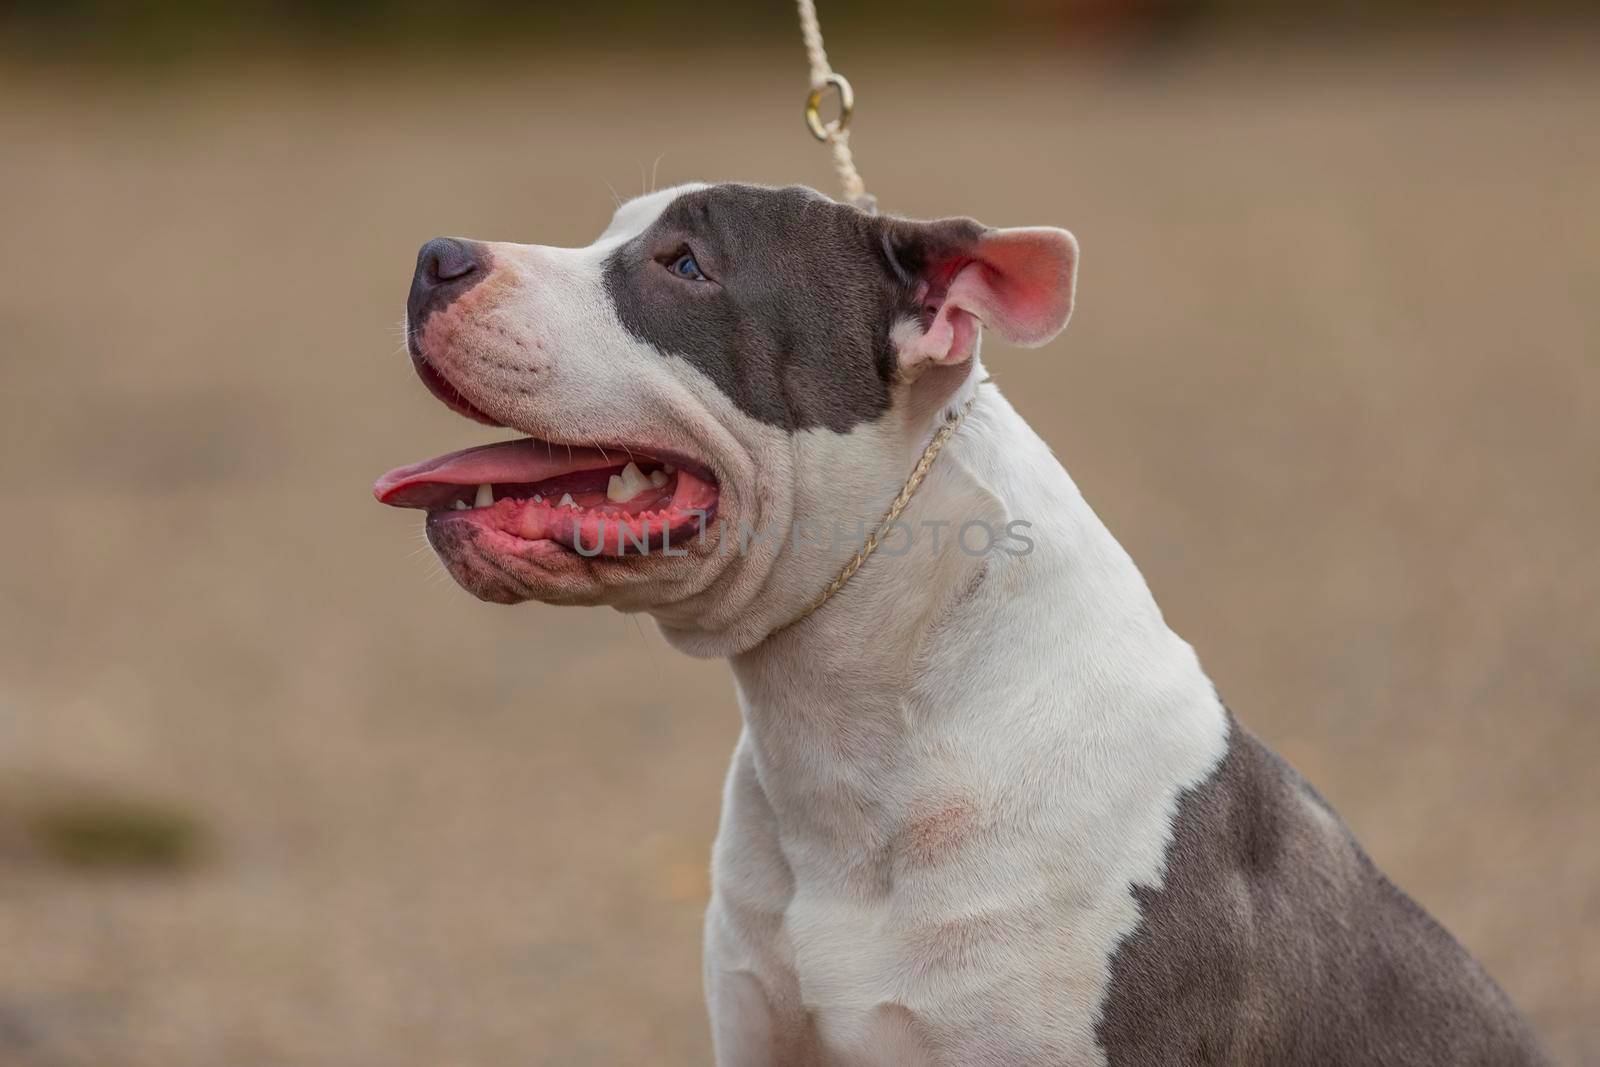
(649, 649)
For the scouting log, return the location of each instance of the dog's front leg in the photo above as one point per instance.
(756, 1020)
(758, 1017)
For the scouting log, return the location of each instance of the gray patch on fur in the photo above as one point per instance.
(1275, 942)
(795, 324)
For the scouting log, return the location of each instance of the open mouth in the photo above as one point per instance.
(590, 500)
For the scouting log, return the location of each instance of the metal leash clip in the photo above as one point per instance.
(829, 131)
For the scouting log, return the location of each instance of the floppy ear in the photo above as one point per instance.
(1017, 282)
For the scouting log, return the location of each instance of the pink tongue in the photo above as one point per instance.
(508, 462)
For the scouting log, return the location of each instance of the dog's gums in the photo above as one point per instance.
(590, 500)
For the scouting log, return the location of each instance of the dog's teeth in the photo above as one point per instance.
(537, 499)
(627, 485)
(658, 478)
(485, 496)
(461, 505)
(667, 468)
(567, 501)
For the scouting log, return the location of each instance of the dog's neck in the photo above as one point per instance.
(912, 676)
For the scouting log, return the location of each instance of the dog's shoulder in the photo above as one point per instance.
(1275, 940)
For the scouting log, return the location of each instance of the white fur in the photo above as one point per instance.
(1053, 705)
(950, 777)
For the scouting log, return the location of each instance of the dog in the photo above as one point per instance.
(986, 808)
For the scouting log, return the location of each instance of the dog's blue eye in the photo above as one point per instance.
(685, 267)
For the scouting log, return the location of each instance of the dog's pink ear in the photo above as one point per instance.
(1017, 282)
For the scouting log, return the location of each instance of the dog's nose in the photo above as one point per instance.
(446, 268)
(444, 259)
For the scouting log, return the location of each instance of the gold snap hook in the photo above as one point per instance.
(827, 131)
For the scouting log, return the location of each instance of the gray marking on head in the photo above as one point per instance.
(1275, 942)
(794, 323)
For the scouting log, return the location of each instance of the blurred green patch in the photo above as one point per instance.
(106, 833)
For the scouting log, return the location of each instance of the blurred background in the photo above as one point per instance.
(273, 791)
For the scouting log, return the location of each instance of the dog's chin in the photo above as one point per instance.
(502, 568)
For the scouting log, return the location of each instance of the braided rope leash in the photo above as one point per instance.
(903, 498)
(836, 134)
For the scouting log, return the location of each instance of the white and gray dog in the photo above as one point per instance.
(986, 807)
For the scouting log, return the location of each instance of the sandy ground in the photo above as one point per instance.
(1335, 382)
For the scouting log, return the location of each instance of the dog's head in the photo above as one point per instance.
(724, 364)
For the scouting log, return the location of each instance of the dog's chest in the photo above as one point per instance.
(855, 966)
(961, 903)
(969, 935)
(909, 980)
(941, 872)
